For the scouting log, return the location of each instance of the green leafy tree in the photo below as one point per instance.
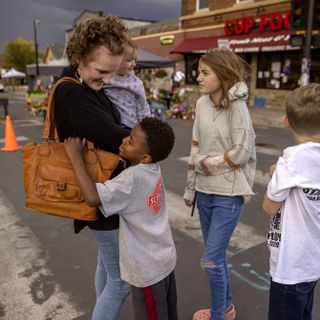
(19, 53)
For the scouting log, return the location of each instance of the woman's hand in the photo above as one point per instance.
(188, 203)
(74, 148)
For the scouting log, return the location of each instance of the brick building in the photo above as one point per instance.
(258, 30)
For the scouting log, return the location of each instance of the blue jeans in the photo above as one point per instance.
(111, 291)
(291, 302)
(218, 217)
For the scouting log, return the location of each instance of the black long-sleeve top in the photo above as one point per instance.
(85, 113)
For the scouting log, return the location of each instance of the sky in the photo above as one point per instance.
(56, 16)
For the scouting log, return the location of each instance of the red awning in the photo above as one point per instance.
(196, 45)
(253, 42)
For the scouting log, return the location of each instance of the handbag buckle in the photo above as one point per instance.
(62, 184)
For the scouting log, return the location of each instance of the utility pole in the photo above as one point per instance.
(306, 60)
(35, 23)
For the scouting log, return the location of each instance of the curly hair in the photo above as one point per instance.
(229, 68)
(101, 31)
(303, 109)
(160, 138)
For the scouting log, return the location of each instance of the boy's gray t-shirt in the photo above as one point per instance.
(147, 250)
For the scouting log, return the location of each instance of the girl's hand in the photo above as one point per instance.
(188, 203)
(74, 148)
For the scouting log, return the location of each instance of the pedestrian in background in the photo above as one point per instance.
(293, 200)
(147, 251)
(126, 90)
(95, 52)
(221, 168)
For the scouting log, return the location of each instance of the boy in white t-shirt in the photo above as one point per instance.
(293, 198)
(137, 194)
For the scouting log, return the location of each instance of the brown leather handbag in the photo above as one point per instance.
(50, 183)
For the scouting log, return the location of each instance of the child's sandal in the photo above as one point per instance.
(230, 314)
(203, 314)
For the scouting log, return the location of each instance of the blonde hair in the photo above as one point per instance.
(303, 109)
(131, 44)
(101, 31)
(131, 48)
(229, 68)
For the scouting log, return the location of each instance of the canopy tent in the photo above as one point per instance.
(48, 73)
(147, 59)
(13, 73)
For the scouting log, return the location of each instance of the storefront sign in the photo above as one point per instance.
(267, 42)
(273, 22)
(167, 40)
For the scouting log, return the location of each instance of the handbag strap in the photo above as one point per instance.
(49, 125)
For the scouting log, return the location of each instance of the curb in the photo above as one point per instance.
(267, 117)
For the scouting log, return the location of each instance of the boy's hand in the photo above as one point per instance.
(74, 148)
(271, 170)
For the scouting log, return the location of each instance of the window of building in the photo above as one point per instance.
(202, 4)
(283, 70)
(191, 60)
(277, 70)
(315, 66)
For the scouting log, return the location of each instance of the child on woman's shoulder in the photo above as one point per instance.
(293, 200)
(126, 90)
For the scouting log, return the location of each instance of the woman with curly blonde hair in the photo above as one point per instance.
(82, 109)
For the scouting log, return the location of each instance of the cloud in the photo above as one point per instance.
(56, 16)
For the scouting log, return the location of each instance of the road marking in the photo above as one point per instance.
(184, 159)
(269, 151)
(261, 177)
(259, 149)
(29, 122)
(19, 138)
(259, 283)
(179, 216)
(27, 287)
(25, 123)
(244, 237)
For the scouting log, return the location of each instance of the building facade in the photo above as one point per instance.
(257, 30)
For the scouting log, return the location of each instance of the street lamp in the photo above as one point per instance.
(306, 60)
(35, 23)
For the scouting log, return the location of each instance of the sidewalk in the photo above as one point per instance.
(267, 117)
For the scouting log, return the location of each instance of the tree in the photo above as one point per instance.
(19, 53)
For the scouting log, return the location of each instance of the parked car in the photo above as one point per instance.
(1, 87)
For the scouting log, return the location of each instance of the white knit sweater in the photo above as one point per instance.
(223, 134)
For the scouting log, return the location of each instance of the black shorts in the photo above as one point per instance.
(157, 302)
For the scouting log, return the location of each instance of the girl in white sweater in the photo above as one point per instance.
(221, 168)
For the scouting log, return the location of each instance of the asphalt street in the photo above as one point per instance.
(47, 271)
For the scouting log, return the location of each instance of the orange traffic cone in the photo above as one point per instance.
(10, 143)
